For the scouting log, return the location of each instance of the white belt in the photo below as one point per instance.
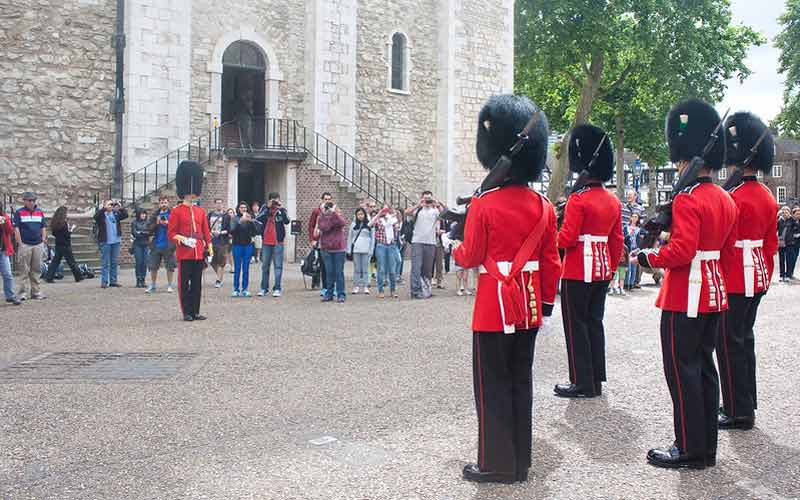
(505, 267)
(749, 264)
(588, 255)
(696, 280)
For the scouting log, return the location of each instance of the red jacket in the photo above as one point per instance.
(703, 219)
(7, 235)
(591, 212)
(757, 209)
(499, 222)
(190, 222)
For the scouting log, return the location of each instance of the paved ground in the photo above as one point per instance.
(389, 381)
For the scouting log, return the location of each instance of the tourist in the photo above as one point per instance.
(438, 259)
(630, 207)
(220, 224)
(633, 232)
(243, 229)
(62, 231)
(313, 236)
(387, 229)
(109, 237)
(162, 249)
(274, 219)
(793, 243)
(257, 239)
(331, 226)
(30, 234)
(231, 213)
(361, 245)
(140, 246)
(784, 221)
(6, 252)
(423, 244)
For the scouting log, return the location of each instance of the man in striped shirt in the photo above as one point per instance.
(631, 207)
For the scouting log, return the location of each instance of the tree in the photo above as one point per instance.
(572, 54)
(788, 42)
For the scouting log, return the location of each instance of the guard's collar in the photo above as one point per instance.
(704, 179)
(749, 178)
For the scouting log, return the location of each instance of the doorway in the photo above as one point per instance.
(243, 94)
(251, 184)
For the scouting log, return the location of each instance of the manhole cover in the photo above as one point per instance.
(99, 366)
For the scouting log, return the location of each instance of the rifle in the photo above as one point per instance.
(737, 175)
(662, 221)
(583, 177)
(498, 176)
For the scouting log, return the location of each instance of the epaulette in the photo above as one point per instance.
(690, 189)
(480, 195)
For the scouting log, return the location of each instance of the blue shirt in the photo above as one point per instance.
(30, 224)
(112, 236)
(160, 240)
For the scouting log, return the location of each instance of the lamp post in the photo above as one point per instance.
(118, 103)
(637, 175)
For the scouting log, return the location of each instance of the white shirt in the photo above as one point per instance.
(425, 227)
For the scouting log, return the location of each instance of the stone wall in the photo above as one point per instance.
(396, 131)
(276, 26)
(56, 130)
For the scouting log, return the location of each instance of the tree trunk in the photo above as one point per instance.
(620, 160)
(591, 84)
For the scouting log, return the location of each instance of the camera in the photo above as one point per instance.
(429, 202)
(329, 205)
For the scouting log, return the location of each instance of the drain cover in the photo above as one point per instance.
(73, 366)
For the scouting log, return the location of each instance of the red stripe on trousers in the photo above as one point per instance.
(571, 350)
(678, 379)
(728, 358)
(180, 291)
(481, 405)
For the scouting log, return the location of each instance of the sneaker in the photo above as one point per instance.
(276, 292)
(340, 300)
(38, 296)
(381, 295)
(22, 297)
(235, 293)
(115, 285)
(395, 295)
(14, 300)
(620, 291)
(218, 284)
(460, 292)
(470, 292)
(356, 291)
(245, 293)
(327, 298)
(170, 289)
(366, 291)
(150, 289)
(323, 292)
(261, 293)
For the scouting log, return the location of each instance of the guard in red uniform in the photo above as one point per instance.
(693, 295)
(510, 234)
(748, 267)
(591, 238)
(188, 227)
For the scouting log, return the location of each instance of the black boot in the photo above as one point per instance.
(674, 458)
(571, 391)
(473, 473)
(726, 422)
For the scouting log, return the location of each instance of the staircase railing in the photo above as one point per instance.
(285, 135)
(260, 133)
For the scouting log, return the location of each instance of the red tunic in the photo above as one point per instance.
(190, 222)
(703, 220)
(755, 232)
(499, 222)
(592, 223)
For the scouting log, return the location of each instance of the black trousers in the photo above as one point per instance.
(503, 380)
(190, 286)
(65, 253)
(687, 347)
(736, 355)
(583, 306)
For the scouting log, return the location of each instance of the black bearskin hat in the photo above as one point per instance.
(583, 142)
(499, 122)
(689, 127)
(742, 132)
(189, 178)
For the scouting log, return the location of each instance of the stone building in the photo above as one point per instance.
(370, 97)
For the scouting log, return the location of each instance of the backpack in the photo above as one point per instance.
(310, 266)
(407, 229)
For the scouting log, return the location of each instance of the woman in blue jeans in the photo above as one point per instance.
(631, 240)
(242, 231)
(140, 232)
(387, 228)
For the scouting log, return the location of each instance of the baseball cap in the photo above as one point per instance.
(27, 195)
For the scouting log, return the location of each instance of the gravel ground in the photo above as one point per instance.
(290, 398)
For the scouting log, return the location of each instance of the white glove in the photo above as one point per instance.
(446, 241)
(190, 242)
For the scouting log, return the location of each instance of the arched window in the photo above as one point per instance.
(398, 63)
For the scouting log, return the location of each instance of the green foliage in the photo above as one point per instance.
(596, 59)
(788, 41)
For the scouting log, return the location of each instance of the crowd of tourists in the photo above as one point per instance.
(376, 239)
